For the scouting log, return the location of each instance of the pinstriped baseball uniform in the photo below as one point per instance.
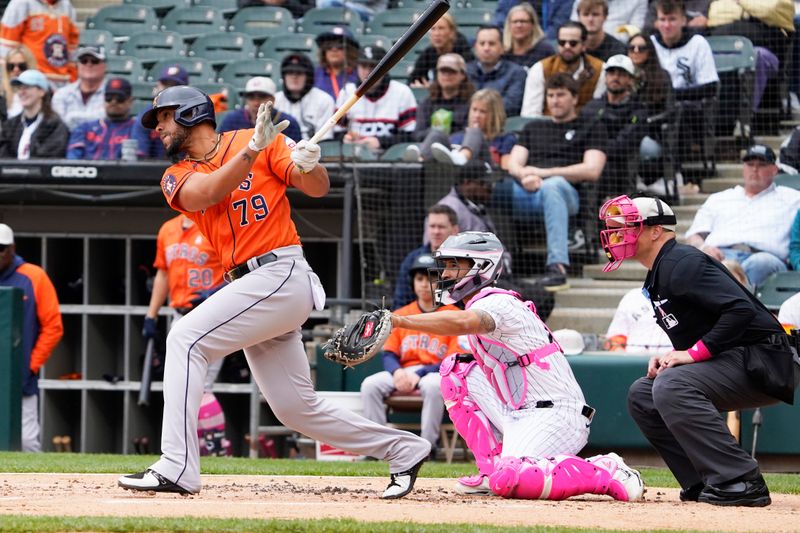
(530, 432)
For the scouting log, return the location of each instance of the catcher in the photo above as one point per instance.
(411, 361)
(515, 401)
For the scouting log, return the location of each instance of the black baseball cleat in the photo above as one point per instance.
(150, 481)
(739, 492)
(402, 483)
(690, 494)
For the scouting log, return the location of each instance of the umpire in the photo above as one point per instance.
(730, 354)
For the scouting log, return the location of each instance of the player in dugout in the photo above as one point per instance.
(730, 354)
(233, 186)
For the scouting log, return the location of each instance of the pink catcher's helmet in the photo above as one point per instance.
(486, 252)
(624, 219)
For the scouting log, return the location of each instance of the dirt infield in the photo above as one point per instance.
(433, 501)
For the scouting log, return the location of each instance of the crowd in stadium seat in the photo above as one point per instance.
(648, 82)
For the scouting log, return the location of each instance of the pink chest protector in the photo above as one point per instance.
(504, 368)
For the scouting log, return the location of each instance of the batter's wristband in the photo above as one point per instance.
(699, 352)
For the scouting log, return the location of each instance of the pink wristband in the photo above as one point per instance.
(699, 352)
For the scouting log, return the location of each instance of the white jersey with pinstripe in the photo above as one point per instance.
(530, 432)
(523, 331)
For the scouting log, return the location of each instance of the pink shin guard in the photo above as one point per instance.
(469, 421)
(555, 478)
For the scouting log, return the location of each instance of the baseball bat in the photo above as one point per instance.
(147, 368)
(406, 41)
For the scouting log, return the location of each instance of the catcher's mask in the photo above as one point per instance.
(485, 252)
(624, 219)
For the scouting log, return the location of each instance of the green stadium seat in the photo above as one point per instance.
(222, 48)
(402, 70)
(229, 90)
(199, 69)
(394, 22)
(395, 152)
(262, 22)
(788, 180)
(194, 21)
(280, 45)
(142, 92)
(373, 39)
(469, 20)
(337, 151)
(126, 67)
(152, 46)
(419, 5)
(320, 20)
(420, 93)
(227, 7)
(515, 124)
(124, 20)
(237, 73)
(778, 288)
(139, 106)
(489, 5)
(161, 7)
(100, 38)
(736, 55)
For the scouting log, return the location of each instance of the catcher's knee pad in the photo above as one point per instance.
(518, 478)
(469, 421)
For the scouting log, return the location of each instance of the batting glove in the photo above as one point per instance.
(306, 156)
(265, 131)
(150, 328)
(202, 296)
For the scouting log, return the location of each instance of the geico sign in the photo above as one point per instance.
(73, 172)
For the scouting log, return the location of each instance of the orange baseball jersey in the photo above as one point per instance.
(417, 348)
(48, 29)
(189, 260)
(255, 217)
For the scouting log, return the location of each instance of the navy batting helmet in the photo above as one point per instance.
(192, 106)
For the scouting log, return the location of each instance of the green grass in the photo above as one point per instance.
(56, 524)
(122, 464)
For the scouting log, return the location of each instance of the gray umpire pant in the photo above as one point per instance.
(679, 413)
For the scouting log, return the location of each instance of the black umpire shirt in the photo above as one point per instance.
(695, 298)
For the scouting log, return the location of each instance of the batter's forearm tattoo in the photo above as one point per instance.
(247, 157)
(487, 322)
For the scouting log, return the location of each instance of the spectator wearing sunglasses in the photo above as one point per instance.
(37, 132)
(571, 59)
(83, 100)
(48, 28)
(17, 61)
(102, 139)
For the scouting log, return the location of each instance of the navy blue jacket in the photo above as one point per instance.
(507, 78)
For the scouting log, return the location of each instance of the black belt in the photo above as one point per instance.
(245, 268)
(586, 411)
(183, 310)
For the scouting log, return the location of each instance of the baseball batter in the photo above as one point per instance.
(514, 401)
(233, 185)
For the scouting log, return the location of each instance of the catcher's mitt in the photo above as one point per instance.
(359, 342)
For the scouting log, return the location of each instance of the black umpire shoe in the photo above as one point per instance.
(150, 481)
(691, 494)
(747, 493)
(554, 278)
(402, 483)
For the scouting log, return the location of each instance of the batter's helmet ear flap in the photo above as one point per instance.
(192, 106)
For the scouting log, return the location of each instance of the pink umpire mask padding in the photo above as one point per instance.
(623, 227)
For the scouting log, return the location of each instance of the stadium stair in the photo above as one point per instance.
(589, 304)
